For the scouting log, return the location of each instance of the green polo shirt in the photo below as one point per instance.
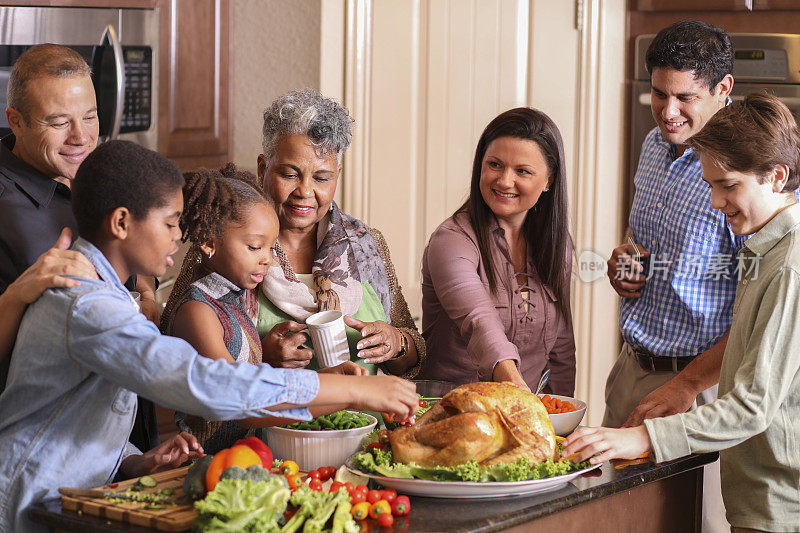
(755, 423)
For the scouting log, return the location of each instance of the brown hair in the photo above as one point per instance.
(214, 198)
(43, 60)
(753, 136)
(546, 227)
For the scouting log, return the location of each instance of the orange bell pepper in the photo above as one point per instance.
(239, 455)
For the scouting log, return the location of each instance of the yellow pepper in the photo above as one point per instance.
(360, 511)
(288, 468)
(379, 507)
(239, 455)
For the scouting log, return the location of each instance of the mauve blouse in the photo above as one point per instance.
(468, 329)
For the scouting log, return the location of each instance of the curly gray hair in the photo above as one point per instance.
(325, 121)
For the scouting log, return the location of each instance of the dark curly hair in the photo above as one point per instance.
(213, 198)
(694, 46)
(121, 174)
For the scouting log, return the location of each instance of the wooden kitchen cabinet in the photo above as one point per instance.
(776, 5)
(195, 75)
(694, 5)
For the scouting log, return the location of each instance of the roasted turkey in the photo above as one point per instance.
(488, 422)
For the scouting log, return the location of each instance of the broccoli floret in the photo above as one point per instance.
(364, 461)
(383, 457)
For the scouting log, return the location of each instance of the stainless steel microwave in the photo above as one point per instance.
(121, 46)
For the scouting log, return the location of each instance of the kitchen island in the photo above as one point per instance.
(640, 497)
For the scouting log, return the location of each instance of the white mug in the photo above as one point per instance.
(137, 298)
(329, 338)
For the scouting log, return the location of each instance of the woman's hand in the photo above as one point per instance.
(283, 346)
(348, 368)
(50, 270)
(170, 454)
(602, 444)
(380, 341)
(506, 370)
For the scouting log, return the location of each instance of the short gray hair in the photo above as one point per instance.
(43, 60)
(326, 122)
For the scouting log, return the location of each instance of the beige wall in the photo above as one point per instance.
(276, 49)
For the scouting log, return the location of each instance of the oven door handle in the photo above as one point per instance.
(110, 37)
(792, 102)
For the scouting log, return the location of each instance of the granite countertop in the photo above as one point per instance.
(438, 514)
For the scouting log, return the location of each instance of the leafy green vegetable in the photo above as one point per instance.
(242, 505)
(315, 508)
(520, 470)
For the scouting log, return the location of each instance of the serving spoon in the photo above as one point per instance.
(543, 381)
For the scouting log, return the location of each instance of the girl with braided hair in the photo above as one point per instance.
(232, 227)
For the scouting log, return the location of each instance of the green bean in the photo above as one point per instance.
(333, 421)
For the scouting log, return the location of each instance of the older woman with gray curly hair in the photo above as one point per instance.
(325, 258)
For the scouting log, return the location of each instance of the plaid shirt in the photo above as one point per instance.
(687, 303)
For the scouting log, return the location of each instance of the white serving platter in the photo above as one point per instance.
(471, 489)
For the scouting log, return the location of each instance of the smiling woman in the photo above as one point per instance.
(495, 275)
(325, 259)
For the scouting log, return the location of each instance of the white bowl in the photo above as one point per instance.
(314, 449)
(565, 423)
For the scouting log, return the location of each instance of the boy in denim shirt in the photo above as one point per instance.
(82, 353)
(750, 153)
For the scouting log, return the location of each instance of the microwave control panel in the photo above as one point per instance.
(138, 109)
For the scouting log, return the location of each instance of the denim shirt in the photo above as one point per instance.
(81, 356)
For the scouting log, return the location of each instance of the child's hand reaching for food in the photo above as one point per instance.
(602, 444)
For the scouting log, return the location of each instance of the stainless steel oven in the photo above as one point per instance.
(121, 46)
(762, 61)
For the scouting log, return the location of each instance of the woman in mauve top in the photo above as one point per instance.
(495, 275)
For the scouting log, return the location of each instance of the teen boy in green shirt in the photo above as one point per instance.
(750, 154)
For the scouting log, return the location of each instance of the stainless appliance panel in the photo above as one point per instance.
(129, 103)
(769, 57)
(69, 26)
(140, 27)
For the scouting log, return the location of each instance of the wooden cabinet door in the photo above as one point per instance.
(195, 76)
(784, 5)
(693, 5)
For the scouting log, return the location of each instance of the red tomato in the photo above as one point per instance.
(336, 485)
(315, 485)
(314, 474)
(385, 520)
(389, 495)
(357, 497)
(373, 496)
(362, 488)
(327, 472)
(349, 486)
(423, 403)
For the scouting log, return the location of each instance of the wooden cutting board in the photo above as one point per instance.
(174, 518)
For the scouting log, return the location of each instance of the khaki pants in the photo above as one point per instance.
(626, 386)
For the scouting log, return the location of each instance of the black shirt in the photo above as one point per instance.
(34, 208)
